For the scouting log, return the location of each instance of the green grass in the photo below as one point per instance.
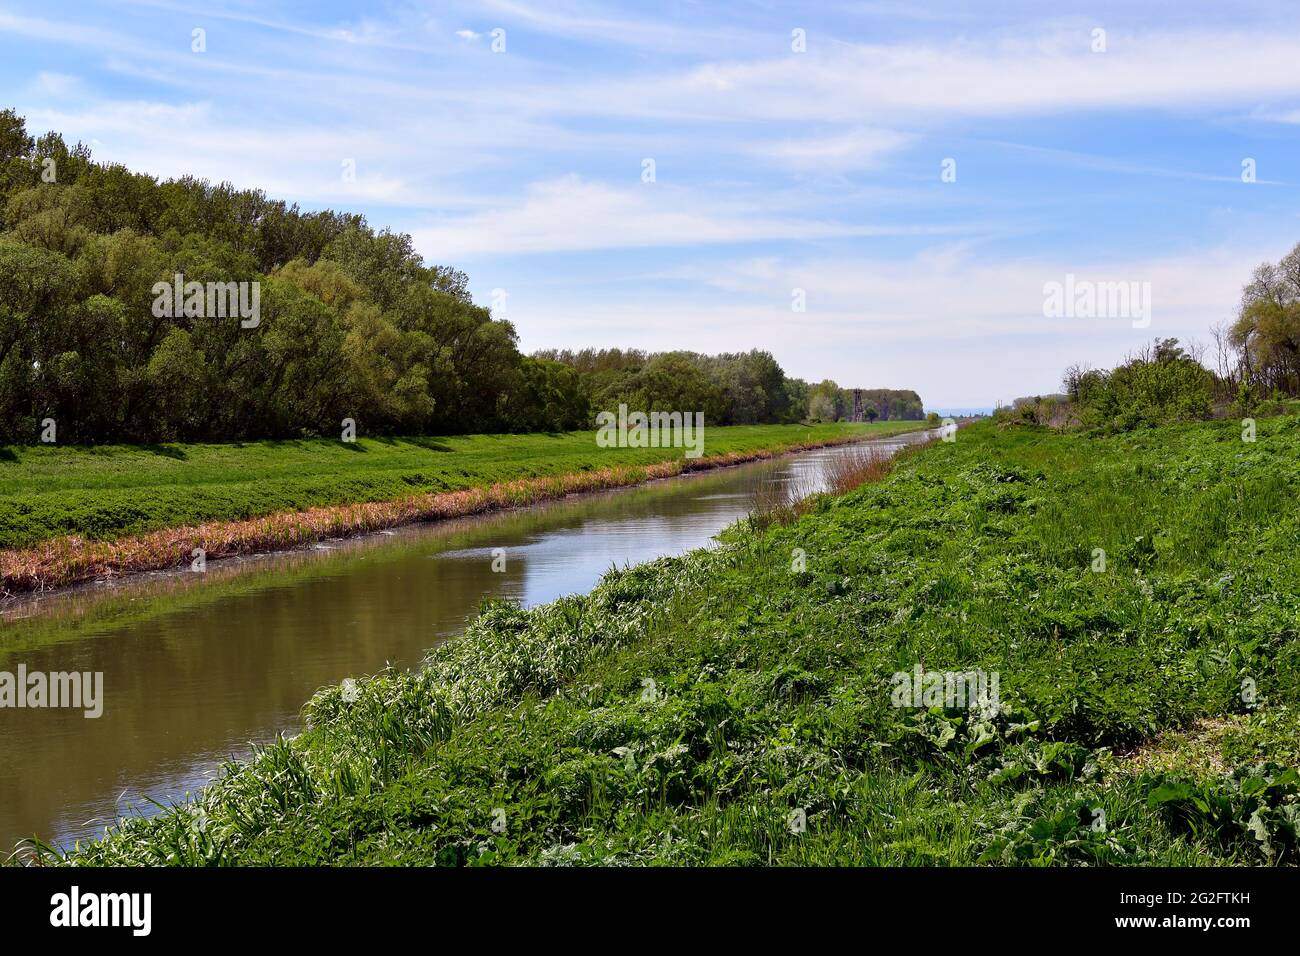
(107, 492)
(687, 710)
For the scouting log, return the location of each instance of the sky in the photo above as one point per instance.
(881, 193)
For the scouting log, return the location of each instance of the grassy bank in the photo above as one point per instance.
(734, 706)
(67, 514)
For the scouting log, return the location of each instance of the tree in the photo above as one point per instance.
(1266, 334)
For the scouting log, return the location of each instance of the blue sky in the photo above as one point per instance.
(775, 170)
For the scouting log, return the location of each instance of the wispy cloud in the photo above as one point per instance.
(851, 149)
(588, 23)
(1013, 75)
(571, 213)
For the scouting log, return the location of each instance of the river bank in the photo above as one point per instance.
(275, 487)
(1136, 597)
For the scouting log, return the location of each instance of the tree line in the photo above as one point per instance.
(352, 324)
(737, 388)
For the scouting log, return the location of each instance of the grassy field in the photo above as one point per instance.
(102, 493)
(1138, 598)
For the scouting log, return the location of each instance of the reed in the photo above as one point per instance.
(855, 467)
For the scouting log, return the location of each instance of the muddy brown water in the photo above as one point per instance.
(197, 668)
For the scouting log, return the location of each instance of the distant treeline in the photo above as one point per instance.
(351, 324)
(740, 388)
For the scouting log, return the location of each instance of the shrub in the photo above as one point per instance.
(1161, 385)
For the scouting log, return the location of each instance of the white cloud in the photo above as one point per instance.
(853, 149)
(946, 293)
(571, 213)
(176, 140)
(584, 22)
(365, 32)
(959, 329)
(468, 34)
(994, 76)
(68, 31)
(57, 85)
(1279, 116)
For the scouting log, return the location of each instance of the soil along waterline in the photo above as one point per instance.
(71, 559)
(198, 665)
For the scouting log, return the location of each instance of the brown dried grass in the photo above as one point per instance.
(68, 560)
(856, 467)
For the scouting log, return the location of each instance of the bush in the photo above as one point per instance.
(1161, 385)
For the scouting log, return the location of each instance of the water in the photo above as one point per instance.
(198, 667)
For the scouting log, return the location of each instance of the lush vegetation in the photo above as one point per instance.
(1138, 595)
(350, 324)
(105, 492)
